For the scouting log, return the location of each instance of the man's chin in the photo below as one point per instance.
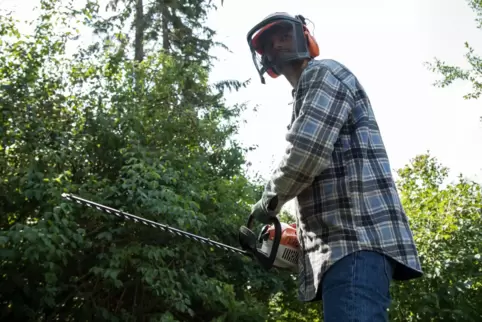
(286, 69)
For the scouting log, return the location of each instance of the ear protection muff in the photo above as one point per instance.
(272, 72)
(311, 43)
(313, 48)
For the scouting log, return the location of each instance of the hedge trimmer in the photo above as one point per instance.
(279, 248)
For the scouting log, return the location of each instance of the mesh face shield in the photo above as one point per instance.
(278, 40)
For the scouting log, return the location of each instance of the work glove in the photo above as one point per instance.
(263, 210)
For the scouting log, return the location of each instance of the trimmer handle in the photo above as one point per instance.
(248, 240)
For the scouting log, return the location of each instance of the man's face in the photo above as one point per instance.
(278, 40)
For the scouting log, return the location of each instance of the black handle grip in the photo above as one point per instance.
(267, 261)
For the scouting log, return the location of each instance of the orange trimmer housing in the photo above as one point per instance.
(289, 248)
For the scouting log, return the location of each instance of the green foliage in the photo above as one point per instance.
(178, 27)
(474, 73)
(285, 307)
(447, 225)
(162, 150)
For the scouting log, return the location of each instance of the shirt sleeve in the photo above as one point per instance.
(325, 105)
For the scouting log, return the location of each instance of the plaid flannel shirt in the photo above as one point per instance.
(337, 168)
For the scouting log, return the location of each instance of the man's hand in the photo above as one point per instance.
(262, 212)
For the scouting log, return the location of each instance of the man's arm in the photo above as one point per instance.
(326, 104)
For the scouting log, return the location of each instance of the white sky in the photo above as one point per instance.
(385, 43)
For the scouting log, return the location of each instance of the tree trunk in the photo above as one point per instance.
(139, 43)
(165, 28)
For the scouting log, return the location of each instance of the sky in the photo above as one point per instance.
(385, 44)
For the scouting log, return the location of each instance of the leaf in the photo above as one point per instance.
(105, 235)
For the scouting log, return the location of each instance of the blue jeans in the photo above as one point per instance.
(356, 289)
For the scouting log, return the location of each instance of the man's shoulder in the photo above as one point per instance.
(337, 69)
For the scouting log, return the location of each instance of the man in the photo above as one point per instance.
(353, 231)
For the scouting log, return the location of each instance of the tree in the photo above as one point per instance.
(474, 73)
(69, 125)
(447, 226)
(179, 25)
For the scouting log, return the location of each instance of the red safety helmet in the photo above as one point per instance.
(303, 44)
